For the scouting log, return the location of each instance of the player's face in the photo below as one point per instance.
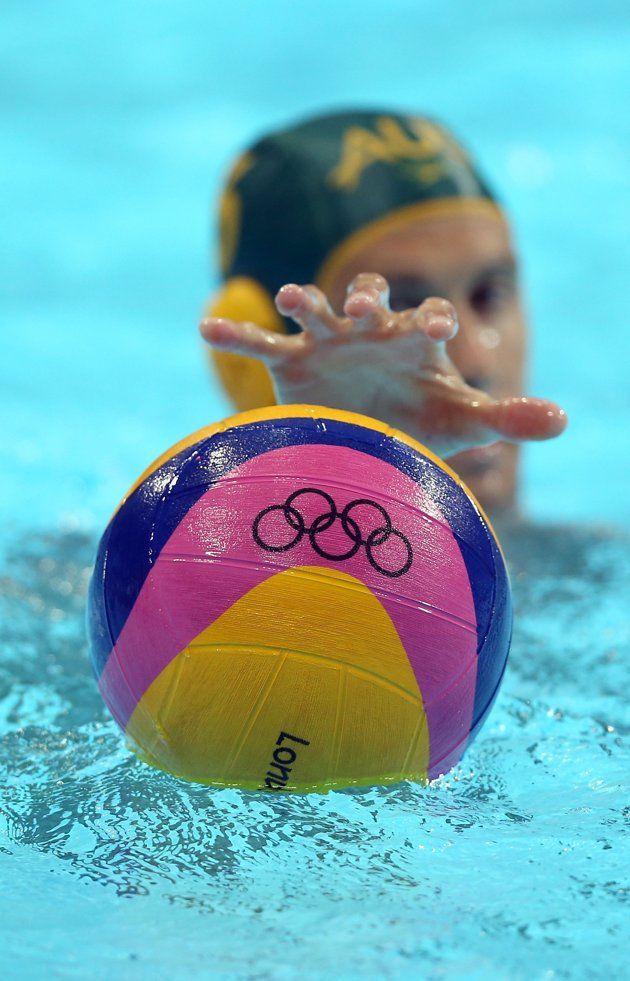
(468, 259)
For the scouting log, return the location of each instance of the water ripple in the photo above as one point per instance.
(520, 846)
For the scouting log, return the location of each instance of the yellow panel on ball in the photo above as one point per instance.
(331, 707)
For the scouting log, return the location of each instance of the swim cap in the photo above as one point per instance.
(301, 198)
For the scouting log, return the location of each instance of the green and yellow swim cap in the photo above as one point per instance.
(301, 196)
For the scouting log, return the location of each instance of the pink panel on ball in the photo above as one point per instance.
(212, 559)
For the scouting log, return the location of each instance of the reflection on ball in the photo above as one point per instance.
(299, 598)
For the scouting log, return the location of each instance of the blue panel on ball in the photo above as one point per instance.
(494, 648)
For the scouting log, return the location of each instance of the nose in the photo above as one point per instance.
(468, 351)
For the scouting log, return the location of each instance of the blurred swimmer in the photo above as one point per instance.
(367, 266)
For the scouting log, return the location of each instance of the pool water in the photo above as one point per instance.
(120, 124)
(511, 866)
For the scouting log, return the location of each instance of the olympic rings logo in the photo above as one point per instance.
(374, 542)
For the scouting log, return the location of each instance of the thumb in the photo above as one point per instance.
(524, 418)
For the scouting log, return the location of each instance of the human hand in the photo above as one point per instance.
(390, 365)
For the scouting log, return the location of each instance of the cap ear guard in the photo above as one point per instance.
(246, 380)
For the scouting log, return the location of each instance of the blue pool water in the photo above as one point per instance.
(118, 124)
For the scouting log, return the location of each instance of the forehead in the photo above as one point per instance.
(435, 248)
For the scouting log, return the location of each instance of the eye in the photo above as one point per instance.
(491, 295)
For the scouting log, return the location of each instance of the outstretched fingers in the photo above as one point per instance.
(245, 337)
(308, 306)
(367, 304)
(436, 318)
(367, 311)
(518, 419)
